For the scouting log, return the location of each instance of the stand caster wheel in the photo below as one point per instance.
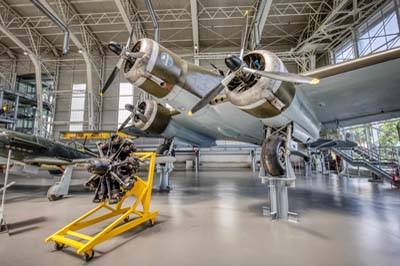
(87, 257)
(58, 246)
(126, 219)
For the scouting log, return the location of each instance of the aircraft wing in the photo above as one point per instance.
(46, 160)
(132, 131)
(332, 143)
(359, 91)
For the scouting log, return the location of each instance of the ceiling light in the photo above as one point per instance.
(25, 53)
(80, 51)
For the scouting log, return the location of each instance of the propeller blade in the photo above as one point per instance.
(111, 78)
(115, 47)
(289, 77)
(135, 55)
(126, 121)
(218, 69)
(131, 108)
(211, 94)
(244, 34)
(207, 98)
(233, 62)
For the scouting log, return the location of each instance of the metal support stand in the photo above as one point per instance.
(319, 163)
(279, 202)
(61, 188)
(3, 223)
(125, 217)
(253, 161)
(307, 167)
(164, 169)
(197, 162)
(278, 194)
(277, 185)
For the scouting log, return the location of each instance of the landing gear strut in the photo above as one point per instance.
(164, 165)
(277, 171)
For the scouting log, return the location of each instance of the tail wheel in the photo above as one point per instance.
(273, 155)
(51, 196)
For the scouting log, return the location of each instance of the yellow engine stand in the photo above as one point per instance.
(85, 244)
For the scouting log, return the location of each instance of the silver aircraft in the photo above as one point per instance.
(257, 101)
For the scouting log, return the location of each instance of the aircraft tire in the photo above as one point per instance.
(273, 155)
(162, 149)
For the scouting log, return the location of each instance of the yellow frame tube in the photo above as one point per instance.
(143, 195)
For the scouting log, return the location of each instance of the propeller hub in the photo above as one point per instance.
(233, 62)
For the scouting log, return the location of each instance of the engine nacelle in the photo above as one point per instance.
(161, 70)
(259, 96)
(158, 117)
(275, 102)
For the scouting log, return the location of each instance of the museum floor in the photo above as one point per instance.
(216, 219)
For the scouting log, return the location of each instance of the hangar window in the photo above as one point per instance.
(125, 97)
(77, 107)
(378, 33)
(344, 52)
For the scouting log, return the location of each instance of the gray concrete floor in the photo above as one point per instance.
(216, 219)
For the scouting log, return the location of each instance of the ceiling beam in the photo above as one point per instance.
(68, 12)
(195, 30)
(85, 51)
(324, 32)
(131, 18)
(259, 21)
(7, 50)
(5, 78)
(124, 15)
(9, 14)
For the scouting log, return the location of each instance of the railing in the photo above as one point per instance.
(384, 161)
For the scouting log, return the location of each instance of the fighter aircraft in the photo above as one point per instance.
(261, 102)
(33, 152)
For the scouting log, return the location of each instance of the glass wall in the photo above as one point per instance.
(125, 97)
(378, 33)
(377, 134)
(345, 52)
(77, 107)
